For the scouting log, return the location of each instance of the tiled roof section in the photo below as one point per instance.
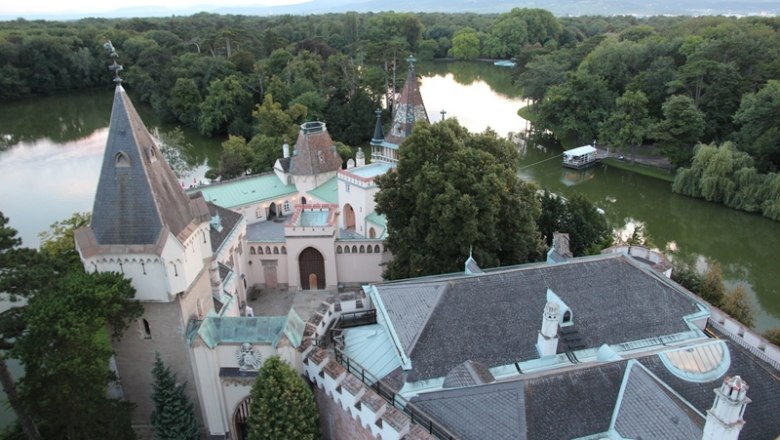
(572, 404)
(229, 219)
(488, 412)
(314, 151)
(408, 110)
(494, 318)
(138, 194)
(328, 192)
(246, 190)
(409, 309)
(284, 162)
(760, 415)
(468, 374)
(649, 411)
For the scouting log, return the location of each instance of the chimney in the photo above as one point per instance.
(360, 158)
(286, 150)
(561, 244)
(547, 341)
(724, 419)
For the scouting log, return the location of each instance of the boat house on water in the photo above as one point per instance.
(580, 157)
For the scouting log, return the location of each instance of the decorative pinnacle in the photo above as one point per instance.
(114, 67)
(378, 113)
(410, 60)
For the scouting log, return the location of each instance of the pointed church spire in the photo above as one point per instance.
(409, 109)
(138, 195)
(379, 135)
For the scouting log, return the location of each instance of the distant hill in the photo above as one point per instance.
(557, 7)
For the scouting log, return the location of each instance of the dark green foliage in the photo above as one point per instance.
(712, 288)
(687, 277)
(173, 417)
(454, 191)
(588, 230)
(759, 132)
(283, 405)
(680, 129)
(773, 335)
(737, 304)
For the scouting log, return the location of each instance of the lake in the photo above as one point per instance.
(51, 149)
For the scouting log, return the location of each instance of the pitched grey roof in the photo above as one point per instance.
(760, 415)
(409, 309)
(468, 374)
(409, 109)
(487, 412)
(229, 219)
(649, 411)
(137, 194)
(493, 318)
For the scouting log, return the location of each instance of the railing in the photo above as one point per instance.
(355, 319)
(391, 397)
(744, 344)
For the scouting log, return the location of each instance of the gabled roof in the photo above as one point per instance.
(314, 152)
(493, 318)
(408, 110)
(328, 192)
(228, 219)
(137, 194)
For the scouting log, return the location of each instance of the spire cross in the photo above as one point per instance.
(410, 60)
(114, 67)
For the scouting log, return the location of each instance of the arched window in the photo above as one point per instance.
(252, 250)
(566, 317)
(268, 250)
(371, 233)
(376, 249)
(284, 250)
(276, 250)
(260, 250)
(339, 250)
(121, 160)
(362, 249)
(369, 249)
(346, 249)
(354, 249)
(146, 330)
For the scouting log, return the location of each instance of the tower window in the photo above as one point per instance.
(121, 160)
(147, 331)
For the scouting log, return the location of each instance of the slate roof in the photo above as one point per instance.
(649, 411)
(229, 219)
(137, 193)
(408, 110)
(487, 412)
(763, 380)
(314, 152)
(494, 318)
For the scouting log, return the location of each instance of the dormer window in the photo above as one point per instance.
(152, 153)
(122, 160)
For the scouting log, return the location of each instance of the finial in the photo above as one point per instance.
(115, 67)
(443, 112)
(470, 247)
(410, 60)
(378, 113)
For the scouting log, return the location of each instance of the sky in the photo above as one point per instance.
(85, 7)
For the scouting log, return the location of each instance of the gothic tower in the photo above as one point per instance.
(547, 340)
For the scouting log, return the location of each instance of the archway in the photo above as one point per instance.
(312, 269)
(240, 419)
(349, 217)
(303, 200)
(372, 233)
(271, 212)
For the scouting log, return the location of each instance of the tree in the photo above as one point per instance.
(588, 230)
(454, 191)
(227, 101)
(173, 417)
(711, 288)
(628, 125)
(185, 101)
(174, 146)
(465, 44)
(282, 405)
(237, 158)
(773, 335)
(679, 130)
(759, 132)
(737, 305)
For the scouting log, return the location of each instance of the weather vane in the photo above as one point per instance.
(115, 67)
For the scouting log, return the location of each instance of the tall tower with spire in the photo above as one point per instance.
(145, 227)
(408, 110)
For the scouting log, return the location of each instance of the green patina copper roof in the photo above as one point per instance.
(294, 328)
(246, 191)
(377, 219)
(328, 192)
(216, 330)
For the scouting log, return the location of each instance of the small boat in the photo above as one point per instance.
(580, 157)
(505, 63)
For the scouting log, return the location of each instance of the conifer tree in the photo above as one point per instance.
(173, 417)
(282, 405)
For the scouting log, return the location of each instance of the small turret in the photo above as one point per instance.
(724, 419)
(379, 135)
(547, 341)
(285, 150)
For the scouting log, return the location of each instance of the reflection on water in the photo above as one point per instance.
(697, 231)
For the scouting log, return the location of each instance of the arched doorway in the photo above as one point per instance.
(241, 418)
(271, 212)
(371, 233)
(312, 269)
(303, 200)
(349, 217)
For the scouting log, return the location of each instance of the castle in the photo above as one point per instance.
(620, 352)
